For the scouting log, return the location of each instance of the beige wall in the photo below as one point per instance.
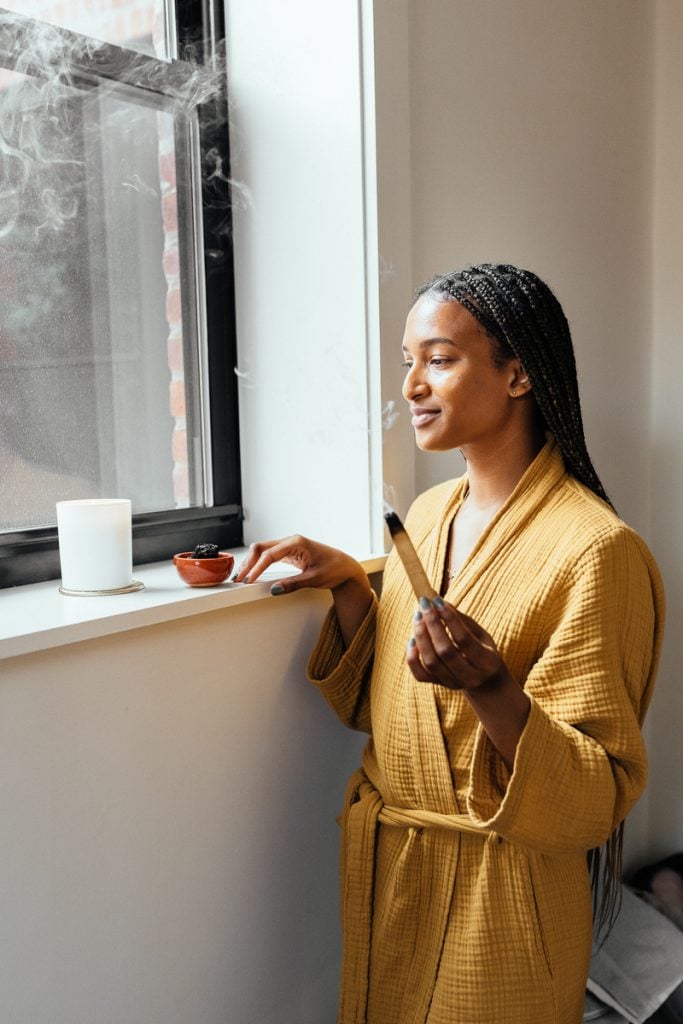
(531, 131)
(666, 720)
(548, 134)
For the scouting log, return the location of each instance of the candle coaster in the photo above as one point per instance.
(132, 588)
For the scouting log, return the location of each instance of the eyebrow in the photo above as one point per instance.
(434, 341)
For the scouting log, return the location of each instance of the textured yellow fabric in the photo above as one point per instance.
(465, 893)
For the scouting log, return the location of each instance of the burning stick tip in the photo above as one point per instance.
(394, 524)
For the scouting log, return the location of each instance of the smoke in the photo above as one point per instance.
(386, 270)
(389, 414)
(389, 498)
(241, 197)
(65, 93)
(136, 184)
(244, 378)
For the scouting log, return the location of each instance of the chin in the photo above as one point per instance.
(426, 444)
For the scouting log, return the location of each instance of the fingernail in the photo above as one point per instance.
(277, 589)
(425, 603)
(412, 642)
(246, 580)
(417, 617)
(439, 603)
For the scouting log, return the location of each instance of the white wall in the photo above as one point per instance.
(168, 843)
(309, 403)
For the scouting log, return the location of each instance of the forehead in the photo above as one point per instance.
(432, 318)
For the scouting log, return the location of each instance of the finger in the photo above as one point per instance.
(428, 666)
(472, 642)
(467, 634)
(444, 627)
(427, 649)
(263, 554)
(289, 584)
(476, 630)
(414, 664)
(457, 665)
(252, 556)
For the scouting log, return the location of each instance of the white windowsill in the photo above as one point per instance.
(37, 617)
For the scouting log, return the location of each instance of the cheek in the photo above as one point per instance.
(444, 380)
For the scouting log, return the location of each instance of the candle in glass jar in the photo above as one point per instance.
(95, 543)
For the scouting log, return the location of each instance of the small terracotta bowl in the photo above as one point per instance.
(204, 572)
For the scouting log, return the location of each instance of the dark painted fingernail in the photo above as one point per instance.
(425, 603)
(246, 580)
(417, 617)
(276, 589)
(412, 642)
(439, 603)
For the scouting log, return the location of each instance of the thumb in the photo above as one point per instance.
(289, 584)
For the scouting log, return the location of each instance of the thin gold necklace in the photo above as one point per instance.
(452, 573)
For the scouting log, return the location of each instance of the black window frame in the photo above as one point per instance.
(32, 555)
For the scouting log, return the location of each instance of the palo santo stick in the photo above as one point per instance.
(408, 555)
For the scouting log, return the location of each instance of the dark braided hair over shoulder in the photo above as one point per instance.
(523, 318)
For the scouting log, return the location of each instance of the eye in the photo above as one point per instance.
(439, 361)
(406, 365)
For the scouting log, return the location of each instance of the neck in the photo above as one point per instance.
(494, 472)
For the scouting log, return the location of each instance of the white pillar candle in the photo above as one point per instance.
(95, 543)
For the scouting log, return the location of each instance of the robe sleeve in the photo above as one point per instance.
(343, 674)
(580, 763)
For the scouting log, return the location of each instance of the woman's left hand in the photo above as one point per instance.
(450, 648)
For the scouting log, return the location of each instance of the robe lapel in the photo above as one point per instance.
(428, 748)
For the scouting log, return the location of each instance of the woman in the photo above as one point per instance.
(504, 717)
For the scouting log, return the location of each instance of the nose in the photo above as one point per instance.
(414, 383)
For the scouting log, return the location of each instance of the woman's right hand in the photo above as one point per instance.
(321, 567)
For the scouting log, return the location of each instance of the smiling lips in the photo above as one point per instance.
(422, 417)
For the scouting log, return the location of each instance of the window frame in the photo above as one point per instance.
(32, 555)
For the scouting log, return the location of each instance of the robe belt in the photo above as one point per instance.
(363, 811)
(405, 817)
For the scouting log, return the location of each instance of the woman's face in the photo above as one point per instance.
(457, 395)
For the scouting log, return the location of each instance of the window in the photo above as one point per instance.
(116, 304)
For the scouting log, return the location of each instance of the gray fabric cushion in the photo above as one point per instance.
(639, 964)
(595, 1010)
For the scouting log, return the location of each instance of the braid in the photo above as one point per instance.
(525, 319)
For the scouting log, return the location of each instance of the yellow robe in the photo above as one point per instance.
(465, 892)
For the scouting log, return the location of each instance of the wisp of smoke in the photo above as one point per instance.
(136, 184)
(389, 414)
(244, 378)
(389, 502)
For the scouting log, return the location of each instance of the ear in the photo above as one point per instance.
(519, 383)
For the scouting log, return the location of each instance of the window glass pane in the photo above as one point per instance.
(99, 383)
(141, 25)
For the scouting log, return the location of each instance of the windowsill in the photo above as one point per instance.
(37, 617)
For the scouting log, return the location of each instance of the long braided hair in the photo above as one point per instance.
(523, 318)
